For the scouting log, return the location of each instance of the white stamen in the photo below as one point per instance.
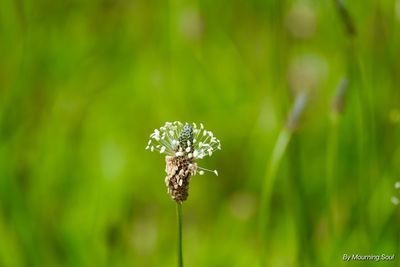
(214, 171)
(166, 140)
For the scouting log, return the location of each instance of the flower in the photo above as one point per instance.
(183, 144)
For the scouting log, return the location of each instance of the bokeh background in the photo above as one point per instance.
(84, 83)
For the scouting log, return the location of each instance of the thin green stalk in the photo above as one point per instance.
(366, 121)
(277, 155)
(276, 158)
(337, 108)
(330, 175)
(179, 216)
(297, 200)
(345, 18)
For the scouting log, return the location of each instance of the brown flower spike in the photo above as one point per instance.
(183, 145)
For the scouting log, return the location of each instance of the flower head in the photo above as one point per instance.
(183, 144)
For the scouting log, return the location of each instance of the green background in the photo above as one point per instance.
(84, 83)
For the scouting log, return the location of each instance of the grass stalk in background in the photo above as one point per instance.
(336, 112)
(331, 185)
(179, 218)
(299, 205)
(365, 123)
(345, 18)
(273, 166)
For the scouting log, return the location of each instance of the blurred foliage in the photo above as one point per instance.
(83, 84)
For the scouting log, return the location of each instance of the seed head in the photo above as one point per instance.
(186, 136)
(297, 111)
(183, 145)
(340, 97)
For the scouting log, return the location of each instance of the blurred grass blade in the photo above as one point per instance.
(276, 158)
(346, 18)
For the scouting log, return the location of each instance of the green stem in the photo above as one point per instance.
(345, 17)
(297, 200)
(277, 155)
(179, 215)
(330, 176)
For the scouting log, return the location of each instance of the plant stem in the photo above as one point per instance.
(345, 17)
(179, 216)
(331, 193)
(338, 105)
(277, 155)
(297, 200)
